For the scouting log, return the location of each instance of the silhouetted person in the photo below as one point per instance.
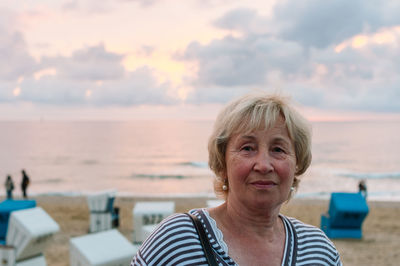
(362, 188)
(9, 184)
(24, 183)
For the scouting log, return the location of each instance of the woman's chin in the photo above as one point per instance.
(264, 202)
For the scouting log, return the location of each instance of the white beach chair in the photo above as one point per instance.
(7, 258)
(146, 216)
(101, 201)
(7, 255)
(28, 233)
(107, 248)
(103, 215)
(36, 261)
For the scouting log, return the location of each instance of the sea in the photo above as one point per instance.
(169, 158)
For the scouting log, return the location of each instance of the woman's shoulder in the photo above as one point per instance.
(181, 218)
(311, 239)
(174, 221)
(302, 228)
(172, 238)
(175, 227)
(306, 232)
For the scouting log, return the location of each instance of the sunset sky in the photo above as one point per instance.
(134, 59)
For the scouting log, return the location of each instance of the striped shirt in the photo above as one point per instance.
(175, 242)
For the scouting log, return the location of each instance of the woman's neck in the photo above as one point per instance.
(252, 238)
(260, 221)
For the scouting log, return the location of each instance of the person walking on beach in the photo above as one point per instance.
(24, 183)
(9, 186)
(362, 188)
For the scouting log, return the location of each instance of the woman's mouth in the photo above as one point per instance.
(263, 184)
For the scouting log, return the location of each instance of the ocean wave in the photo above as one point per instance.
(151, 176)
(50, 180)
(89, 162)
(195, 164)
(62, 194)
(388, 175)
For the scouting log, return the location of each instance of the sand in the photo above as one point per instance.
(379, 246)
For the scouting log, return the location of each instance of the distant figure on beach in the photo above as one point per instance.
(259, 148)
(24, 183)
(9, 184)
(362, 188)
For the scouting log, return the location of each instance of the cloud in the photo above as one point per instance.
(70, 5)
(91, 63)
(243, 61)
(146, 50)
(244, 21)
(143, 3)
(88, 6)
(15, 58)
(297, 53)
(316, 23)
(138, 87)
(214, 3)
(326, 54)
(90, 76)
(52, 90)
(6, 91)
(102, 7)
(364, 78)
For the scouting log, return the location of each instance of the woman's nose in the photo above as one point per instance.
(263, 163)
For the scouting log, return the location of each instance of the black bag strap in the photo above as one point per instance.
(203, 240)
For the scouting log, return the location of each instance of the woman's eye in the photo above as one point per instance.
(247, 148)
(278, 149)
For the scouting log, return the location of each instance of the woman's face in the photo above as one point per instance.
(260, 167)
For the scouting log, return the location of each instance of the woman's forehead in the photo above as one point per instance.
(250, 127)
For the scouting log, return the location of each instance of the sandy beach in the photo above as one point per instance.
(379, 245)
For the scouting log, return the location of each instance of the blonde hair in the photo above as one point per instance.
(251, 112)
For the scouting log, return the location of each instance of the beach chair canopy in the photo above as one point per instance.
(347, 210)
(29, 231)
(107, 248)
(8, 206)
(102, 201)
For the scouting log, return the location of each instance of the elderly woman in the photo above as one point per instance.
(258, 149)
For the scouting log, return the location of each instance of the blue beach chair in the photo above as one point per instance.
(345, 216)
(8, 206)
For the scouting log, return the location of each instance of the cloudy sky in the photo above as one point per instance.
(127, 59)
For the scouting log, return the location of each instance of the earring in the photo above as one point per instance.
(291, 189)
(225, 186)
